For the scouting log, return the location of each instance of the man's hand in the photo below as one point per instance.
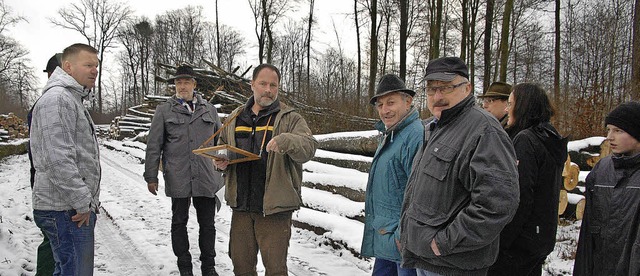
(153, 188)
(398, 245)
(82, 218)
(221, 164)
(434, 247)
(272, 146)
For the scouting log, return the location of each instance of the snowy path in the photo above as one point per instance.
(134, 231)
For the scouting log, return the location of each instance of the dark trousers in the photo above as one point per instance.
(205, 212)
(251, 232)
(45, 264)
(517, 262)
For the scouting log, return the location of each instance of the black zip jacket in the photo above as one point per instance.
(609, 241)
(541, 153)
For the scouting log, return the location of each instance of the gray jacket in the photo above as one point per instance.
(174, 133)
(64, 148)
(462, 191)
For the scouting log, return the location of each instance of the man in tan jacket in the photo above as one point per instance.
(264, 193)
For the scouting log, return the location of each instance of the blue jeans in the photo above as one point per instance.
(426, 273)
(73, 246)
(382, 267)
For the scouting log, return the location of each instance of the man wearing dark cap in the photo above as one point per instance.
(179, 126)
(463, 187)
(609, 241)
(45, 264)
(402, 135)
(495, 101)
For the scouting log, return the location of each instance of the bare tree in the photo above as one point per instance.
(436, 27)
(308, 42)
(266, 14)
(98, 22)
(635, 79)
(504, 40)
(373, 45)
(488, 21)
(359, 52)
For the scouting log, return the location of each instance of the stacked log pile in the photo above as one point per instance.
(12, 127)
(13, 135)
(227, 91)
(572, 200)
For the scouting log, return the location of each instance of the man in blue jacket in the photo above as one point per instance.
(463, 187)
(402, 137)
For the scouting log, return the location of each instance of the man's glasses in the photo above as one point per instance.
(443, 89)
(489, 100)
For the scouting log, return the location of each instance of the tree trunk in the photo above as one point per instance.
(556, 66)
(404, 19)
(465, 29)
(311, 4)
(436, 27)
(487, 45)
(635, 79)
(504, 40)
(373, 43)
(359, 72)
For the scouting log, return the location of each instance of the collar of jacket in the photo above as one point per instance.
(450, 114)
(406, 120)
(175, 101)
(62, 79)
(626, 162)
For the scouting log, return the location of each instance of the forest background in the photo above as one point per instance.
(586, 53)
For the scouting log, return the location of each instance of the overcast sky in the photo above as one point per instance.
(43, 39)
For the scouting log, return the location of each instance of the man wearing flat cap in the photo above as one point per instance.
(179, 126)
(463, 187)
(402, 135)
(494, 100)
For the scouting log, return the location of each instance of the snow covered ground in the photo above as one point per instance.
(133, 230)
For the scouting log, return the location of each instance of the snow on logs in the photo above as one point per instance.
(582, 157)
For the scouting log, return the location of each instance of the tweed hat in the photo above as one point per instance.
(390, 83)
(446, 69)
(626, 116)
(497, 89)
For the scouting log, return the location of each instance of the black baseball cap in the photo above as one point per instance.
(446, 69)
(53, 62)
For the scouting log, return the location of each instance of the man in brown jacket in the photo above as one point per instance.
(264, 193)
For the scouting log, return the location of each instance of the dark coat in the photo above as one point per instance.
(462, 191)
(609, 241)
(174, 133)
(531, 234)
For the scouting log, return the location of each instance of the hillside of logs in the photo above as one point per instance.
(227, 91)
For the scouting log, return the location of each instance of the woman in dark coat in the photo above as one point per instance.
(541, 151)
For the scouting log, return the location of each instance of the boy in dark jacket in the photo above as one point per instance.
(609, 241)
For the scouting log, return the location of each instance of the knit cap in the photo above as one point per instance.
(627, 117)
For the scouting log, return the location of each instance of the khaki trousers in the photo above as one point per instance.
(251, 232)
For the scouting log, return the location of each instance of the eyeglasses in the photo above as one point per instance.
(443, 89)
(489, 100)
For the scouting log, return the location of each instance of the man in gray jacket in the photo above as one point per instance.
(463, 187)
(66, 160)
(179, 126)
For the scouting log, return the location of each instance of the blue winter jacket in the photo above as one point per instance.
(388, 177)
